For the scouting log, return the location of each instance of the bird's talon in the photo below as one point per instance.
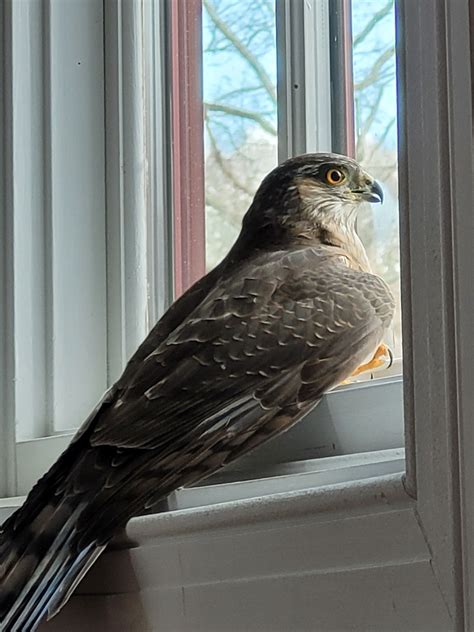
(383, 357)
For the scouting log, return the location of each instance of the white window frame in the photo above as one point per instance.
(432, 504)
(304, 86)
(128, 220)
(436, 101)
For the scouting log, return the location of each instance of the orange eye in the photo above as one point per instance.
(335, 176)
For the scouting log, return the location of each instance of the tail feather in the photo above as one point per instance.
(73, 578)
(40, 581)
(54, 592)
(53, 573)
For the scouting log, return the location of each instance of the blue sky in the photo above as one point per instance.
(227, 71)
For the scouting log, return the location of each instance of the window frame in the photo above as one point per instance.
(303, 90)
(7, 409)
(314, 62)
(142, 143)
(138, 234)
(434, 499)
(437, 491)
(436, 106)
(184, 47)
(134, 207)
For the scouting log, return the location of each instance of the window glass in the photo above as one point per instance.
(240, 112)
(240, 118)
(375, 100)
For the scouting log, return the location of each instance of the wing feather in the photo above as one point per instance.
(257, 352)
(310, 317)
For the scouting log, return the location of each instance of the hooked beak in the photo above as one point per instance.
(373, 193)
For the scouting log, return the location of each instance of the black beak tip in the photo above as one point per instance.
(376, 193)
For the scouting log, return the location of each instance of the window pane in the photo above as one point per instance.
(373, 27)
(240, 114)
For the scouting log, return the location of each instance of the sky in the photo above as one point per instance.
(229, 79)
(225, 71)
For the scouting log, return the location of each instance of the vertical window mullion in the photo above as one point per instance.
(303, 78)
(138, 173)
(291, 85)
(158, 149)
(126, 185)
(7, 362)
(77, 209)
(29, 222)
(342, 84)
(187, 142)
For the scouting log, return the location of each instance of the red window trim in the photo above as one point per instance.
(187, 129)
(189, 239)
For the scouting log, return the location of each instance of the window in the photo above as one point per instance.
(54, 299)
(84, 221)
(374, 553)
(375, 127)
(241, 126)
(97, 254)
(251, 121)
(240, 104)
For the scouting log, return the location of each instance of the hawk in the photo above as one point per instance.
(292, 311)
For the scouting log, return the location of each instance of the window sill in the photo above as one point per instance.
(272, 480)
(342, 557)
(350, 497)
(237, 483)
(361, 417)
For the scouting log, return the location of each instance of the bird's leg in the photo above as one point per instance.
(382, 357)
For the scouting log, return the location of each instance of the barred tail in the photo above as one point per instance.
(40, 566)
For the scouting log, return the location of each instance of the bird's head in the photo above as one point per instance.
(312, 192)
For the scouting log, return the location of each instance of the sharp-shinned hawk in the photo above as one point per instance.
(292, 311)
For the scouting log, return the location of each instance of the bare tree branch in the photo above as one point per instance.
(242, 49)
(373, 23)
(374, 74)
(381, 142)
(371, 115)
(385, 134)
(221, 162)
(242, 90)
(215, 202)
(240, 112)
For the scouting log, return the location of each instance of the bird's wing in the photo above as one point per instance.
(257, 353)
(258, 350)
(291, 321)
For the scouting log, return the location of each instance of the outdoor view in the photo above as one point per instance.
(240, 108)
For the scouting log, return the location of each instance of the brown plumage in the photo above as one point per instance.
(291, 312)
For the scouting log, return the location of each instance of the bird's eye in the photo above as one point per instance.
(335, 176)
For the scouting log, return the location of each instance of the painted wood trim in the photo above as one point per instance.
(7, 358)
(303, 77)
(126, 171)
(298, 561)
(189, 240)
(436, 205)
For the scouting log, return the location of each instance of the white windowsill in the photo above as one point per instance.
(293, 477)
(283, 561)
(364, 417)
(333, 499)
(283, 478)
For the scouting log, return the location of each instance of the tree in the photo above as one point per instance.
(240, 118)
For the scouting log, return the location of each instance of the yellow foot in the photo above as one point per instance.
(383, 357)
